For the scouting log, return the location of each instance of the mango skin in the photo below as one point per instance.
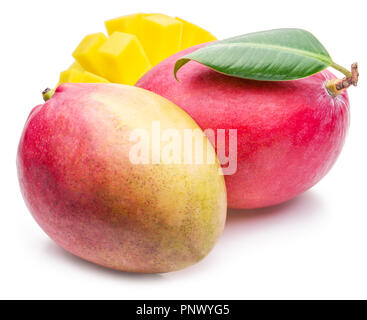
(80, 186)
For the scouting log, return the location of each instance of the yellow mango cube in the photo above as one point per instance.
(76, 74)
(125, 24)
(193, 35)
(124, 59)
(161, 36)
(87, 54)
(92, 78)
(136, 43)
(76, 65)
(71, 75)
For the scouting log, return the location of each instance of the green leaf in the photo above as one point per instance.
(274, 55)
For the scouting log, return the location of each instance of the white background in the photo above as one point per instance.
(311, 247)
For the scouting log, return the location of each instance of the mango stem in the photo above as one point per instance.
(47, 94)
(337, 86)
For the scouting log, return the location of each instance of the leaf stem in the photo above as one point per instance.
(341, 69)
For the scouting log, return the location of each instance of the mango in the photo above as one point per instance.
(135, 44)
(287, 140)
(161, 36)
(124, 59)
(87, 53)
(79, 181)
(193, 34)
